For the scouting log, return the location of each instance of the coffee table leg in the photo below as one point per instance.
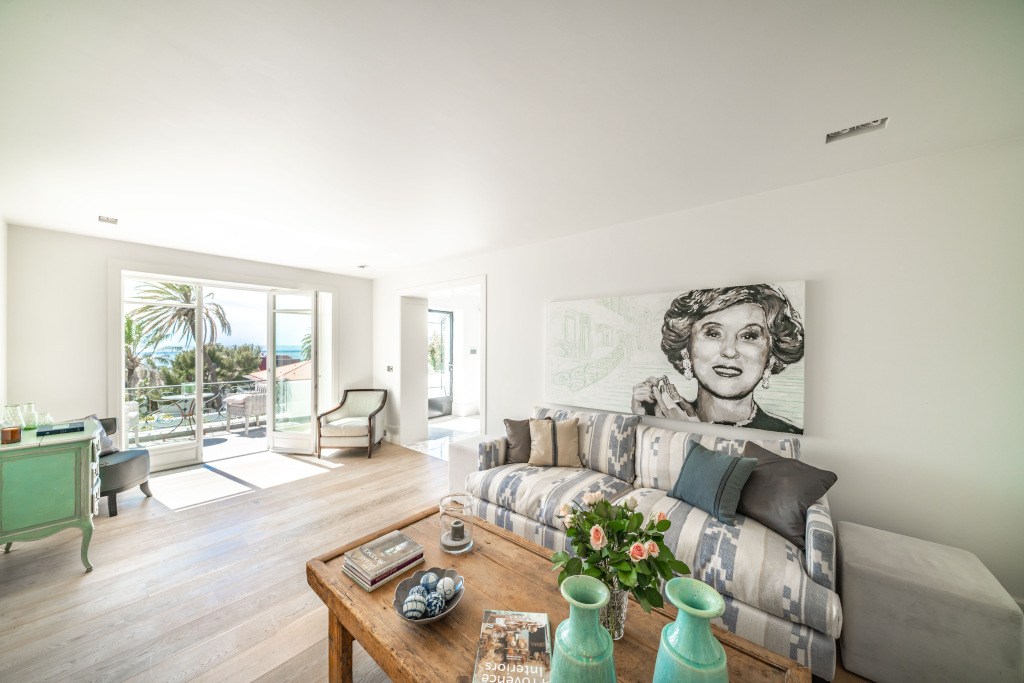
(339, 658)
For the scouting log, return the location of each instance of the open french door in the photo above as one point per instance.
(292, 372)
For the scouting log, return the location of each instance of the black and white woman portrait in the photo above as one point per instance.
(726, 355)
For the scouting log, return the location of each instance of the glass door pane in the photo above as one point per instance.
(291, 371)
(439, 363)
(160, 401)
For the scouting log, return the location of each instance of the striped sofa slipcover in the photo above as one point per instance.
(776, 595)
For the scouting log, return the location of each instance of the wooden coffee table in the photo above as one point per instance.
(503, 572)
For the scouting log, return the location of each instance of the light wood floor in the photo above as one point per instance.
(215, 592)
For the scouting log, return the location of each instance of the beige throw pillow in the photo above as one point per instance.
(555, 443)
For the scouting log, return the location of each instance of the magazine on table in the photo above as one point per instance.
(380, 555)
(513, 646)
(384, 578)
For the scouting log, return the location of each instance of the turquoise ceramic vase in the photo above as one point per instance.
(583, 648)
(689, 652)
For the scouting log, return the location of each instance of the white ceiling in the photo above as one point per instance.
(327, 134)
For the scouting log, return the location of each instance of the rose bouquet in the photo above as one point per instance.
(617, 545)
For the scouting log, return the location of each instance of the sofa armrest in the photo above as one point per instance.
(464, 458)
(820, 544)
(491, 454)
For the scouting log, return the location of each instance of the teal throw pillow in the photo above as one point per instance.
(712, 481)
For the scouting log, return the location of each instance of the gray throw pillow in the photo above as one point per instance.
(518, 432)
(712, 481)
(780, 490)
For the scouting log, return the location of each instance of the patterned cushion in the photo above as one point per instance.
(539, 492)
(347, 426)
(746, 561)
(606, 440)
(800, 643)
(660, 453)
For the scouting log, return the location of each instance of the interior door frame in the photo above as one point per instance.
(291, 442)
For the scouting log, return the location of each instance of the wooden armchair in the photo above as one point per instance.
(352, 423)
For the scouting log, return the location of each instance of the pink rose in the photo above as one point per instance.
(565, 511)
(659, 516)
(637, 552)
(597, 538)
(569, 520)
(652, 548)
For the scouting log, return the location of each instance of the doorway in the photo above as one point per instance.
(440, 363)
(444, 401)
(214, 370)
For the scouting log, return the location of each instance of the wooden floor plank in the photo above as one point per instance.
(215, 592)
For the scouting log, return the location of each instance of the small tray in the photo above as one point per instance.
(403, 588)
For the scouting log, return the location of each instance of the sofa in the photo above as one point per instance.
(777, 595)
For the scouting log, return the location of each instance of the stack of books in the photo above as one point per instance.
(382, 559)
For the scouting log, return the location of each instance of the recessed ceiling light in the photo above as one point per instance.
(860, 129)
(108, 219)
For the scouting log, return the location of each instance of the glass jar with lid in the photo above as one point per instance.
(456, 523)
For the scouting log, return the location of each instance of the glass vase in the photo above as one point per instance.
(613, 615)
(688, 650)
(456, 523)
(583, 649)
(12, 416)
(29, 415)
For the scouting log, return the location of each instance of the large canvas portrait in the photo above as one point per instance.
(729, 355)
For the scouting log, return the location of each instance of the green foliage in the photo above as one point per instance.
(173, 314)
(138, 350)
(230, 363)
(435, 352)
(612, 563)
(307, 346)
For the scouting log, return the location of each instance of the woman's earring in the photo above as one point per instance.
(687, 369)
(764, 378)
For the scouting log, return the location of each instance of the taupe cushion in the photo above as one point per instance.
(555, 444)
(347, 426)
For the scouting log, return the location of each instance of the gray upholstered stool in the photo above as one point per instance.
(122, 470)
(920, 611)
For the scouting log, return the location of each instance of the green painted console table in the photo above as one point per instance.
(49, 483)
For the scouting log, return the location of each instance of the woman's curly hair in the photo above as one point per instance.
(785, 329)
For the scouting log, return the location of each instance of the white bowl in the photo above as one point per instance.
(403, 588)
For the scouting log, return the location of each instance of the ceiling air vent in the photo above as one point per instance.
(877, 124)
(108, 219)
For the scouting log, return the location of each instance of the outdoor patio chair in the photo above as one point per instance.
(130, 415)
(247, 404)
(352, 423)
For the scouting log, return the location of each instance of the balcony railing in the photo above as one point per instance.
(158, 415)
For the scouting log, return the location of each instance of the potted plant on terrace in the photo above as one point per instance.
(617, 545)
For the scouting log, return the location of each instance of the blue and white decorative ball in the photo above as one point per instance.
(435, 604)
(414, 606)
(446, 587)
(418, 590)
(429, 581)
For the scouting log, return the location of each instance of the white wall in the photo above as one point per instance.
(412, 370)
(3, 312)
(914, 319)
(58, 353)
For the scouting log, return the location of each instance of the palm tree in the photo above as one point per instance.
(138, 348)
(307, 346)
(166, 317)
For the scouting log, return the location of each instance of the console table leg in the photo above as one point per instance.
(339, 658)
(86, 537)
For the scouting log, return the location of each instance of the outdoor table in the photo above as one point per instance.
(181, 401)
